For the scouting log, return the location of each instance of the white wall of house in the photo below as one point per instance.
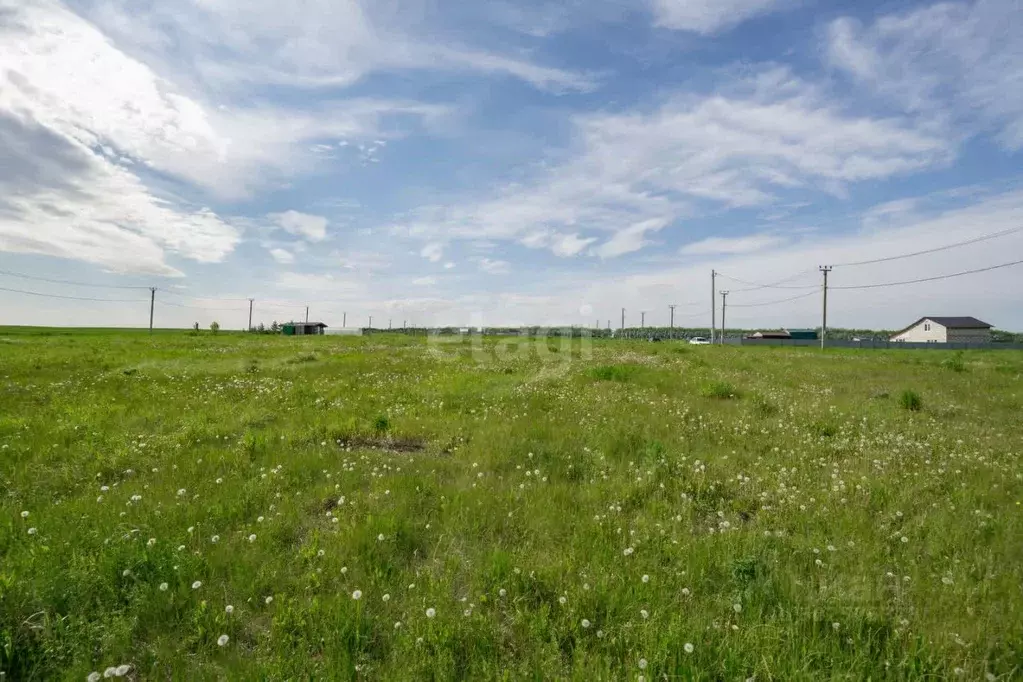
(927, 331)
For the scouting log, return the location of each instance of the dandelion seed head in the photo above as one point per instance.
(688, 648)
(164, 587)
(357, 595)
(196, 585)
(431, 612)
(229, 609)
(223, 640)
(585, 623)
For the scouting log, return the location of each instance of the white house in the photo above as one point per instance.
(946, 330)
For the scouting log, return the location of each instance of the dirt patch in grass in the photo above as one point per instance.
(386, 443)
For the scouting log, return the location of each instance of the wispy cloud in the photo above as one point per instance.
(311, 227)
(722, 245)
(950, 61)
(632, 173)
(710, 16)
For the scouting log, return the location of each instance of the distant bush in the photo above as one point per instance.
(381, 424)
(955, 363)
(721, 390)
(911, 400)
(613, 372)
(214, 326)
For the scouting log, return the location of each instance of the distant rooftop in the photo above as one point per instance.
(957, 322)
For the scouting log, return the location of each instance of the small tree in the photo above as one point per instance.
(261, 328)
(196, 326)
(214, 326)
(275, 328)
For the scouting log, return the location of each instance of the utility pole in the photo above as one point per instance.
(724, 303)
(306, 316)
(344, 320)
(250, 315)
(713, 305)
(152, 304)
(370, 321)
(623, 319)
(825, 269)
(671, 319)
(388, 323)
(642, 319)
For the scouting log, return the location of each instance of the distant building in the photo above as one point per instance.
(946, 330)
(349, 331)
(786, 334)
(303, 328)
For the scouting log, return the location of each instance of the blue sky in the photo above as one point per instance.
(507, 162)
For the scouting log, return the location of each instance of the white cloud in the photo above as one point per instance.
(493, 266)
(60, 198)
(720, 245)
(311, 227)
(282, 256)
(632, 238)
(951, 60)
(365, 261)
(567, 245)
(709, 16)
(61, 71)
(327, 44)
(425, 281)
(432, 252)
(449, 265)
(742, 146)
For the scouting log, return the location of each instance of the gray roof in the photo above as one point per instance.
(951, 323)
(305, 324)
(959, 322)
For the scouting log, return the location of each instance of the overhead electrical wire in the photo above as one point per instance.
(767, 303)
(69, 282)
(934, 250)
(77, 298)
(929, 279)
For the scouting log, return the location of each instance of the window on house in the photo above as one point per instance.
(927, 327)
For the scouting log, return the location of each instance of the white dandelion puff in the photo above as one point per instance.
(32, 531)
(357, 595)
(196, 585)
(223, 640)
(586, 623)
(688, 648)
(24, 514)
(431, 612)
(252, 538)
(229, 609)
(386, 597)
(269, 600)
(164, 587)
(642, 664)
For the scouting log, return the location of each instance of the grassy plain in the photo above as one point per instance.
(369, 509)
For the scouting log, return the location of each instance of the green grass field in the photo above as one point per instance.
(249, 507)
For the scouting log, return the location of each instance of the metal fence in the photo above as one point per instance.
(874, 343)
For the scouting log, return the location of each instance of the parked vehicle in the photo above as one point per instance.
(698, 341)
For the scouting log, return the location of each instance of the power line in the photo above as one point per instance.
(75, 298)
(64, 281)
(754, 286)
(934, 250)
(757, 285)
(767, 303)
(932, 279)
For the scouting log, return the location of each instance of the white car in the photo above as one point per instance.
(699, 341)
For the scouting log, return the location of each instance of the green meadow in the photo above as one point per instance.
(196, 506)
